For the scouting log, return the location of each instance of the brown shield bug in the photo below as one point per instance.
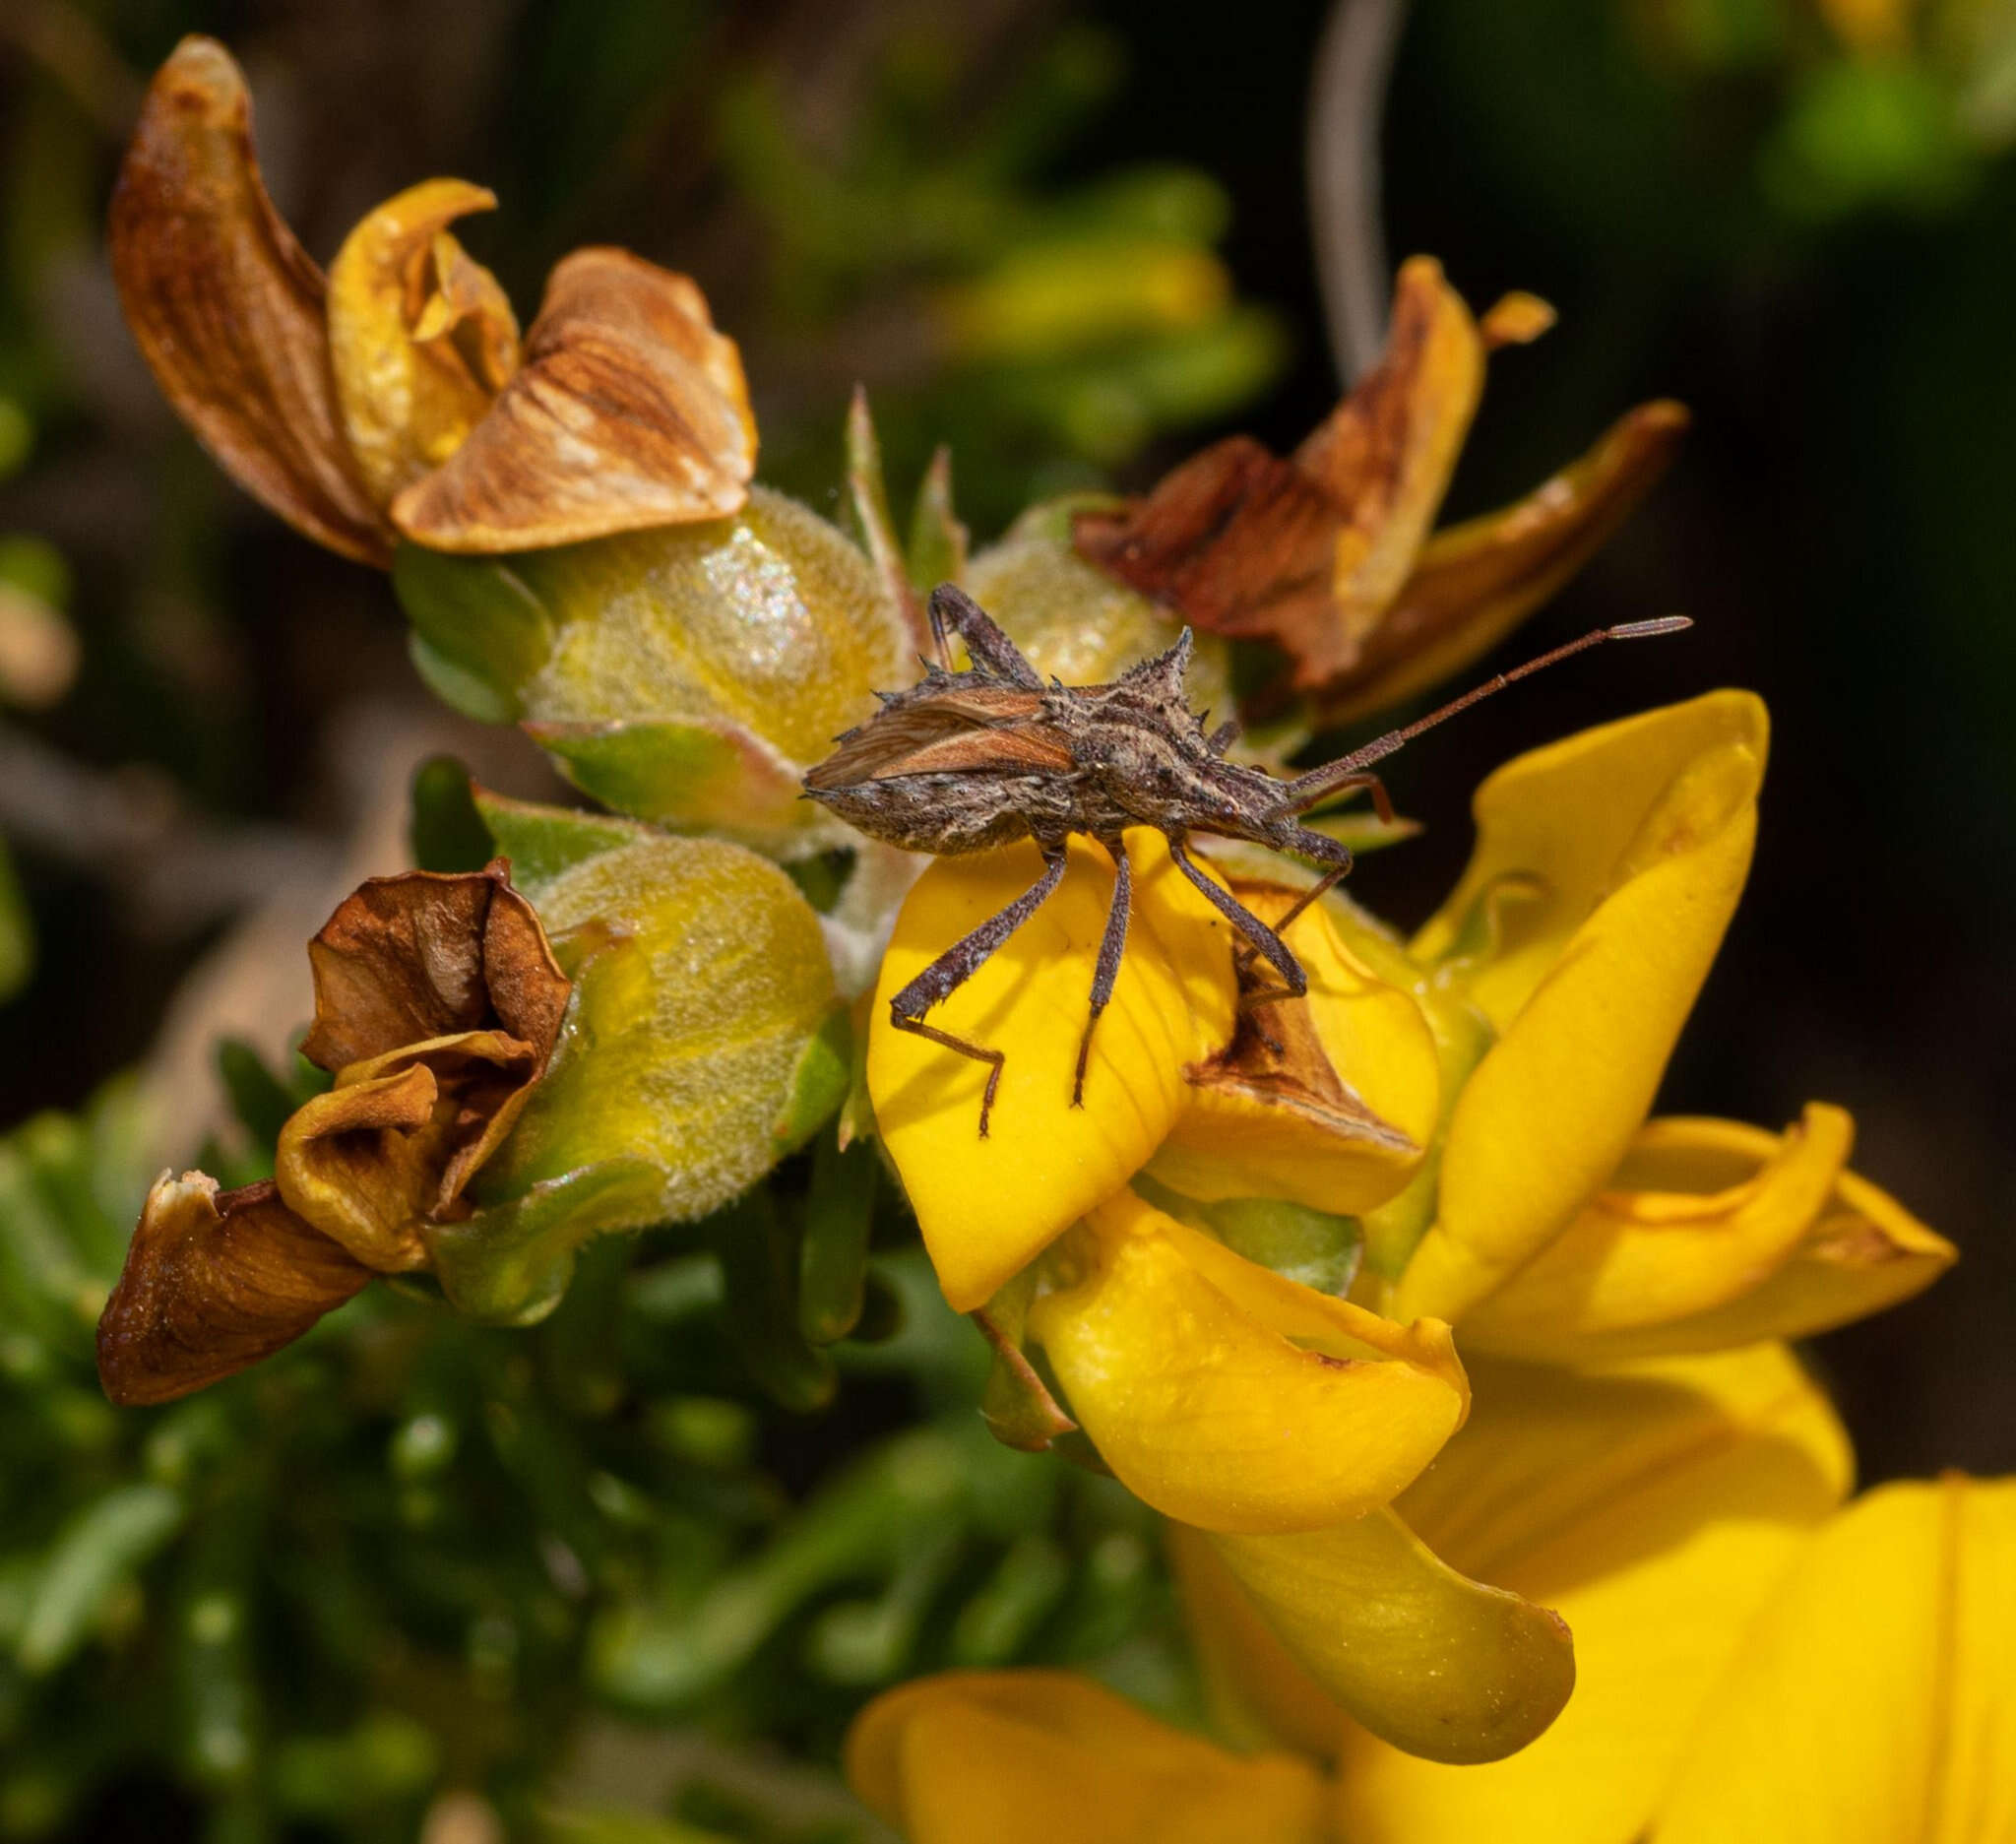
(965, 760)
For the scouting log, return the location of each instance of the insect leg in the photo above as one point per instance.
(1112, 944)
(1324, 850)
(958, 964)
(1270, 945)
(991, 649)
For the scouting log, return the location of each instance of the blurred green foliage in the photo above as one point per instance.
(414, 1555)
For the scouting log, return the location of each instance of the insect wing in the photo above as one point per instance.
(974, 728)
(1021, 750)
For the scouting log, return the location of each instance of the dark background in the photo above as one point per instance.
(1838, 523)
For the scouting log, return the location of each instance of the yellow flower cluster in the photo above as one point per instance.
(1636, 1452)
(1854, 1693)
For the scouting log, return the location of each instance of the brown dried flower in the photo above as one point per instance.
(1328, 553)
(437, 1006)
(391, 398)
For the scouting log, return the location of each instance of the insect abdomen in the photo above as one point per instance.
(944, 814)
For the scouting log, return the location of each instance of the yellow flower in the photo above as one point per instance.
(1477, 1100)
(1004, 1757)
(1873, 1700)
(1564, 1226)
(394, 399)
(1340, 1123)
(1228, 1396)
(1656, 1506)
(1758, 1670)
(1710, 1235)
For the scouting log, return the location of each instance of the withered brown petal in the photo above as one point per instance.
(395, 1141)
(426, 955)
(629, 410)
(1308, 552)
(1386, 453)
(1479, 579)
(1238, 540)
(212, 1283)
(1291, 1073)
(228, 308)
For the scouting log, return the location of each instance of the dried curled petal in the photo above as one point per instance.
(1328, 1101)
(1474, 582)
(228, 308)
(630, 410)
(1308, 552)
(212, 1283)
(390, 1148)
(420, 335)
(438, 1004)
(408, 959)
(1328, 554)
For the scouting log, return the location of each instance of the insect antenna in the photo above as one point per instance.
(1306, 791)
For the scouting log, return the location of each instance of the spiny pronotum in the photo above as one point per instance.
(962, 761)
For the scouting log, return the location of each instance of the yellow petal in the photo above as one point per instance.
(420, 338)
(1872, 1702)
(1444, 1668)
(989, 1206)
(1228, 1397)
(1256, 1692)
(1636, 1263)
(1714, 1235)
(1341, 1128)
(629, 412)
(1636, 838)
(1388, 451)
(1004, 1757)
(228, 308)
(1656, 1508)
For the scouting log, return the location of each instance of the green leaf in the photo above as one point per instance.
(937, 539)
(819, 1083)
(96, 1551)
(510, 1265)
(1363, 832)
(998, 1620)
(867, 498)
(695, 774)
(457, 687)
(259, 1097)
(542, 841)
(479, 631)
(832, 1261)
(447, 832)
(759, 1264)
(387, 1757)
(1313, 1247)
